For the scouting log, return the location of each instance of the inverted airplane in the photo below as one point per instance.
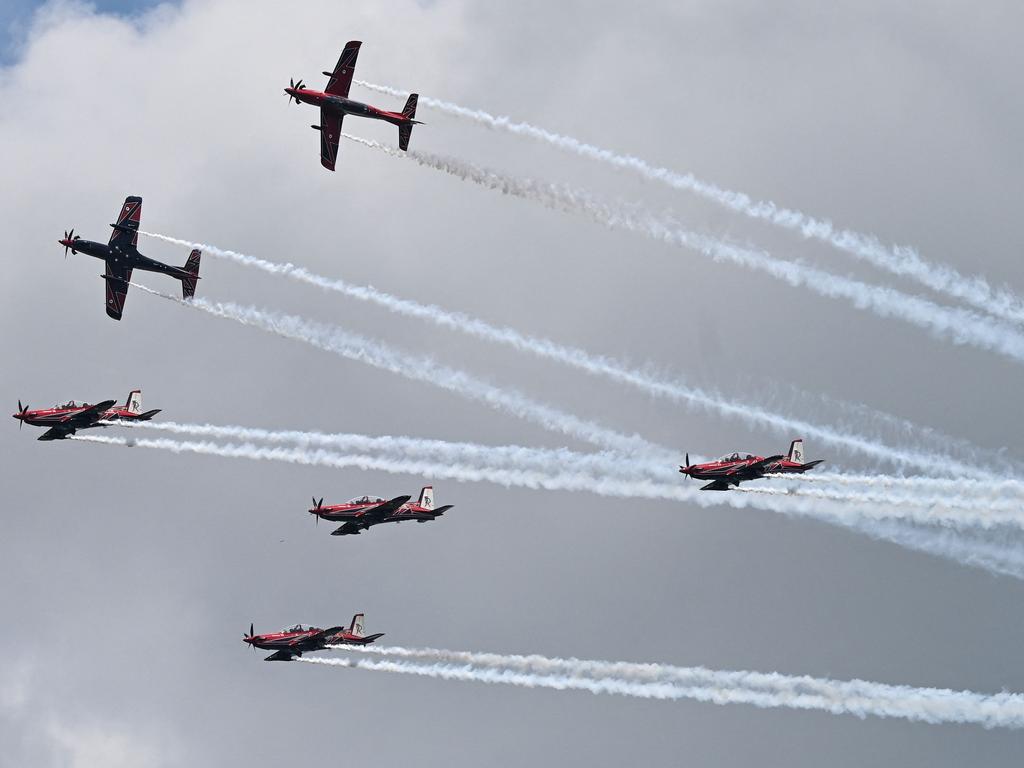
(362, 513)
(122, 255)
(64, 420)
(300, 639)
(739, 467)
(334, 104)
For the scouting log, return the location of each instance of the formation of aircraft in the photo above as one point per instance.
(364, 512)
(739, 467)
(64, 420)
(334, 104)
(121, 256)
(300, 639)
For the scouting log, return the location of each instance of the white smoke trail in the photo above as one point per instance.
(603, 464)
(992, 551)
(577, 473)
(598, 365)
(379, 355)
(989, 512)
(954, 324)
(1008, 488)
(902, 261)
(420, 449)
(855, 697)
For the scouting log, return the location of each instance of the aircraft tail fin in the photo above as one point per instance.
(357, 625)
(188, 284)
(409, 110)
(796, 451)
(134, 402)
(426, 499)
(405, 129)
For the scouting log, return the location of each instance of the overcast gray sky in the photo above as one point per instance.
(129, 576)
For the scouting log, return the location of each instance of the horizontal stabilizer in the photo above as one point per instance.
(368, 639)
(810, 465)
(148, 415)
(441, 510)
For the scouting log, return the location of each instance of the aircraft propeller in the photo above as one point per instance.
(294, 86)
(70, 236)
(316, 508)
(687, 464)
(21, 412)
(249, 636)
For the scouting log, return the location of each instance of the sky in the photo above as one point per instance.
(130, 575)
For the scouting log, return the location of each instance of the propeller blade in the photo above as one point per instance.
(251, 629)
(687, 459)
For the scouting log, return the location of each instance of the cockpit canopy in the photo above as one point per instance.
(737, 456)
(299, 628)
(365, 500)
(70, 404)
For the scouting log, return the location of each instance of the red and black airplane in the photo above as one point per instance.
(64, 420)
(122, 256)
(740, 467)
(362, 513)
(334, 104)
(300, 639)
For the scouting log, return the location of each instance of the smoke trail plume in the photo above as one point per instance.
(855, 697)
(902, 261)
(675, 391)
(991, 511)
(575, 473)
(946, 323)
(379, 355)
(420, 449)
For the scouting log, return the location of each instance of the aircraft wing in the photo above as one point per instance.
(116, 277)
(282, 655)
(341, 78)
(56, 433)
(330, 135)
(88, 415)
(382, 511)
(761, 466)
(320, 637)
(717, 485)
(126, 230)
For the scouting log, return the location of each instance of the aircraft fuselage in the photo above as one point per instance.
(344, 106)
(124, 257)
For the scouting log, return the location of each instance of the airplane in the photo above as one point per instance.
(361, 513)
(334, 104)
(122, 256)
(64, 420)
(300, 639)
(739, 467)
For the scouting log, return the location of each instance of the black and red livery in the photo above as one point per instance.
(334, 104)
(64, 420)
(121, 256)
(362, 513)
(300, 639)
(739, 467)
